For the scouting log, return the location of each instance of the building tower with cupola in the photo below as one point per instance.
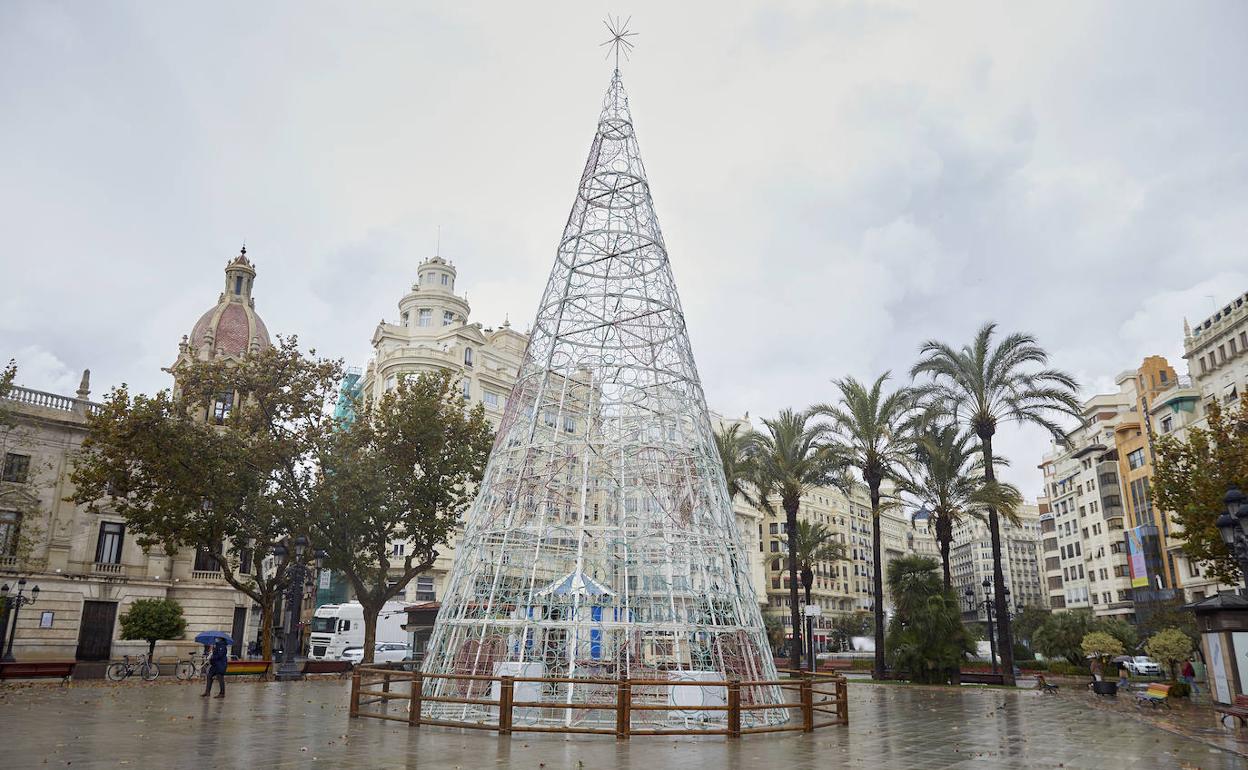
(231, 328)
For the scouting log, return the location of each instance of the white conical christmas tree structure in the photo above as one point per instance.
(602, 544)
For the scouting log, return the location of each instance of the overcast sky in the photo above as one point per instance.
(836, 182)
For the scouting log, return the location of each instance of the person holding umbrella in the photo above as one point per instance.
(217, 661)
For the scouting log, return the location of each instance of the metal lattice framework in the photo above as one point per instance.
(602, 543)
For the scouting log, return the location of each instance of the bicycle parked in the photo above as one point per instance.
(196, 666)
(125, 668)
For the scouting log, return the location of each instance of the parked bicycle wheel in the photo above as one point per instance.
(185, 670)
(116, 672)
(149, 671)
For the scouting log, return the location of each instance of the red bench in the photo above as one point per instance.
(39, 670)
(1239, 710)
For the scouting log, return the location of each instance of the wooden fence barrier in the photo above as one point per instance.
(816, 704)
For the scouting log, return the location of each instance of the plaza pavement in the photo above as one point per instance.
(305, 724)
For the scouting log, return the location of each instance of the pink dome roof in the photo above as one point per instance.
(232, 328)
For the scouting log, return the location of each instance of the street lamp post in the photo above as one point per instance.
(289, 669)
(11, 606)
(987, 604)
(1233, 526)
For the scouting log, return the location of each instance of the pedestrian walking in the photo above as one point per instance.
(216, 667)
(1189, 676)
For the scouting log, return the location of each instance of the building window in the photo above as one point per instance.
(446, 279)
(490, 398)
(238, 284)
(1135, 459)
(425, 318)
(1167, 424)
(10, 528)
(108, 547)
(221, 408)
(466, 388)
(397, 549)
(204, 561)
(424, 588)
(406, 318)
(569, 424)
(448, 318)
(467, 356)
(16, 468)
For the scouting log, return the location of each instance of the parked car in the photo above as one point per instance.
(383, 652)
(1142, 665)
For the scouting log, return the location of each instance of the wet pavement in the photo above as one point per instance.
(305, 724)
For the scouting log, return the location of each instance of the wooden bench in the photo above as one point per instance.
(42, 669)
(982, 677)
(1239, 710)
(341, 667)
(835, 664)
(257, 668)
(1043, 685)
(1156, 695)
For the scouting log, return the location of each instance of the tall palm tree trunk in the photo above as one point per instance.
(1005, 637)
(877, 578)
(944, 536)
(795, 649)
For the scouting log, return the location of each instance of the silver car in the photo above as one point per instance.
(1142, 665)
(383, 652)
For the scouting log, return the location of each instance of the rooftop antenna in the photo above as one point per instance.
(619, 38)
(437, 249)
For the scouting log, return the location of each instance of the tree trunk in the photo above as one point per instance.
(151, 649)
(371, 611)
(790, 517)
(808, 580)
(1005, 637)
(266, 631)
(944, 534)
(877, 579)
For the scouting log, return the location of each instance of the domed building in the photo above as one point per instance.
(231, 328)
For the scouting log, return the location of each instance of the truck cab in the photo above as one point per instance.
(335, 627)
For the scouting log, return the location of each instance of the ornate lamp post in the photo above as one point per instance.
(987, 605)
(11, 605)
(1233, 526)
(294, 604)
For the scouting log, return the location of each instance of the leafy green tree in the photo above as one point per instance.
(1191, 477)
(1027, 620)
(1164, 615)
(1170, 647)
(1098, 644)
(20, 541)
(871, 430)
(1120, 629)
(7, 375)
(947, 481)
(787, 460)
(733, 446)
(404, 469)
(925, 635)
(152, 620)
(1061, 635)
(984, 386)
(843, 628)
(233, 490)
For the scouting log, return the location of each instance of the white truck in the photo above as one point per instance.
(336, 627)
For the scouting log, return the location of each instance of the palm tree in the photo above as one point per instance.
(815, 543)
(947, 481)
(788, 459)
(734, 455)
(985, 385)
(871, 431)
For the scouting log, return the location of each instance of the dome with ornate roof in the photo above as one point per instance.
(231, 327)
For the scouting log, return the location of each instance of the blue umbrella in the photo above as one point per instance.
(208, 637)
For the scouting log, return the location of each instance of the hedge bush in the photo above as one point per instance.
(1063, 668)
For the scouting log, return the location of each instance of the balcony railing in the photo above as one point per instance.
(206, 574)
(106, 568)
(47, 400)
(8, 562)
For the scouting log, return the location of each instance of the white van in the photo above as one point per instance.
(335, 627)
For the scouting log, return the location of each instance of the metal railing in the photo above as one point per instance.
(819, 700)
(106, 568)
